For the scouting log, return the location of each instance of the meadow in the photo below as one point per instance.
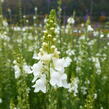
(51, 65)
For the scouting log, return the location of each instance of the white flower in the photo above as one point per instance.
(91, 43)
(40, 84)
(5, 23)
(55, 76)
(57, 30)
(1, 101)
(58, 79)
(70, 52)
(78, 69)
(27, 69)
(35, 56)
(102, 35)
(46, 57)
(95, 96)
(17, 71)
(45, 20)
(95, 33)
(71, 20)
(74, 86)
(101, 108)
(67, 62)
(82, 37)
(84, 90)
(108, 35)
(35, 8)
(97, 65)
(59, 64)
(82, 25)
(63, 81)
(89, 28)
(37, 68)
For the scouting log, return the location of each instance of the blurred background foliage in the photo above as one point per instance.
(93, 8)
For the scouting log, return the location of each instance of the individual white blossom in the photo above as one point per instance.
(84, 90)
(82, 25)
(37, 68)
(101, 35)
(5, 23)
(57, 30)
(35, 8)
(17, 71)
(35, 56)
(58, 79)
(95, 33)
(95, 96)
(89, 28)
(108, 35)
(1, 100)
(27, 69)
(101, 108)
(60, 64)
(70, 20)
(40, 84)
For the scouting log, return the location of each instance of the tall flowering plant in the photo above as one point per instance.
(50, 68)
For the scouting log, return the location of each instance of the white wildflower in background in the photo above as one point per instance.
(108, 35)
(101, 108)
(35, 8)
(95, 96)
(1, 100)
(74, 86)
(101, 35)
(70, 20)
(82, 25)
(95, 33)
(89, 28)
(45, 20)
(91, 43)
(5, 24)
(57, 30)
(84, 90)
(97, 65)
(17, 70)
(70, 52)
